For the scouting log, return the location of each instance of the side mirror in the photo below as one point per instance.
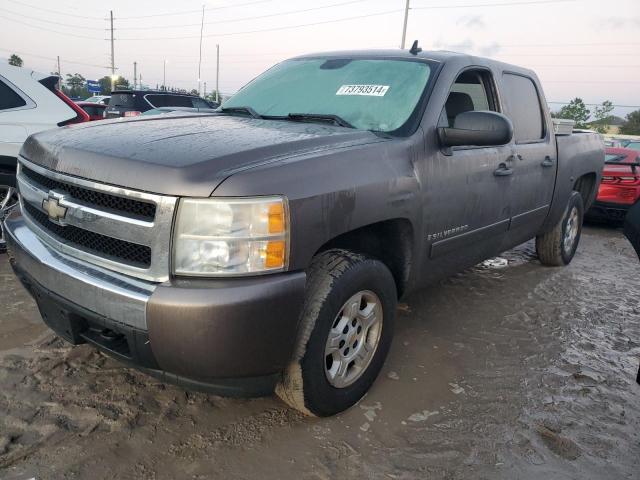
(477, 128)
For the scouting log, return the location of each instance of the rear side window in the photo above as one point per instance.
(9, 98)
(524, 108)
(122, 100)
(169, 101)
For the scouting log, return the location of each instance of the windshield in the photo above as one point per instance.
(369, 94)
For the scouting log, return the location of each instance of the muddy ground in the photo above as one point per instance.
(515, 372)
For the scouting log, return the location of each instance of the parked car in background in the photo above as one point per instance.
(29, 102)
(131, 103)
(163, 110)
(94, 110)
(619, 188)
(264, 247)
(100, 99)
(633, 144)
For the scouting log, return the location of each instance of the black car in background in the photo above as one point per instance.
(131, 103)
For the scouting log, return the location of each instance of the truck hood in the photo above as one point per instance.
(182, 155)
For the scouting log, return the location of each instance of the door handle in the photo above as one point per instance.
(503, 170)
(547, 162)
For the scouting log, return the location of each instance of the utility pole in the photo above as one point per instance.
(218, 73)
(113, 61)
(164, 75)
(135, 74)
(59, 75)
(404, 27)
(200, 59)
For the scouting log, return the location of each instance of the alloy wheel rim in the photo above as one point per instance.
(8, 199)
(571, 230)
(353, 339)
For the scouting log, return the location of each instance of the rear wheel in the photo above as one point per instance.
(345, 333)
(8, 200)
(557, 247)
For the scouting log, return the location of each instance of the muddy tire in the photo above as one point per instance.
(344, 336)
(557, 247)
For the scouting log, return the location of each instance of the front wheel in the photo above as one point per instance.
(345, 333)
(558, 246)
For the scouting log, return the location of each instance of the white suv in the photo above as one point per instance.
(29, 103)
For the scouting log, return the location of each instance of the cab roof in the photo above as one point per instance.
(440, 56)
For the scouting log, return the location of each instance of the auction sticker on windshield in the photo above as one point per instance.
(368, 90)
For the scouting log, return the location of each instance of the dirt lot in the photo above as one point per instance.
(514, 371)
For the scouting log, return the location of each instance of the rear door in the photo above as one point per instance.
(12, 131)
(536, 155)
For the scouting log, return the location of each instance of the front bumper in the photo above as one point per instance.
(230, 336)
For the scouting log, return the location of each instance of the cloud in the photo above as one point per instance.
(614, 23)
(471, 21)
(469, 46)
(465, 46)
(490, 50)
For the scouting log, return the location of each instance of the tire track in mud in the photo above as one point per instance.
(76, 397)
(502, 371)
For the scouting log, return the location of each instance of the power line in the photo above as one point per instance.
(593, 65)
(49, 21)
(51, 30)
(503, 4)
(605, 82)
(288, 27)
(597, 104)
(256, 17)
(56, 12)
(187, 12)
(75, 62)
(598, 44)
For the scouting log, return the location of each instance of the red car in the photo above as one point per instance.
(94, 110)
(620, 186)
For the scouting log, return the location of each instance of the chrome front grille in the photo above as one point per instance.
(127, 231)
(126, 206)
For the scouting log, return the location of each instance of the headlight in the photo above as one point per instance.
(215, 237)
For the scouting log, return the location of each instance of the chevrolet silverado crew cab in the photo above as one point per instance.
(264, 248)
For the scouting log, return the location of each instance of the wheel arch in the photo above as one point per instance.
(389, 241)
(586, 186)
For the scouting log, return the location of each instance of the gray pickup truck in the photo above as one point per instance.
(264, 248)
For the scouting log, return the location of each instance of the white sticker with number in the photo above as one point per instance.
(367, 90)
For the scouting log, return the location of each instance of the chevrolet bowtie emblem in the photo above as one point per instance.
(53, 208)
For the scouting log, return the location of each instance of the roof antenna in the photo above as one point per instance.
(415, 49)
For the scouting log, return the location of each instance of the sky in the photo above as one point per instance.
(579, 48)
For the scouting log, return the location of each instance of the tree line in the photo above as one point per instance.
(600, 119)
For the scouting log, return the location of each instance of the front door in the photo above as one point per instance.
(467, 189)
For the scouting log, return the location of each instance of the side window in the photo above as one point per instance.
(524, 108)
(178, 101)
(199, 103)
(9, 98)
(472, 91)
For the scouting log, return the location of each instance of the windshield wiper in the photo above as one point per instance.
(248, 110)
(321, 117)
